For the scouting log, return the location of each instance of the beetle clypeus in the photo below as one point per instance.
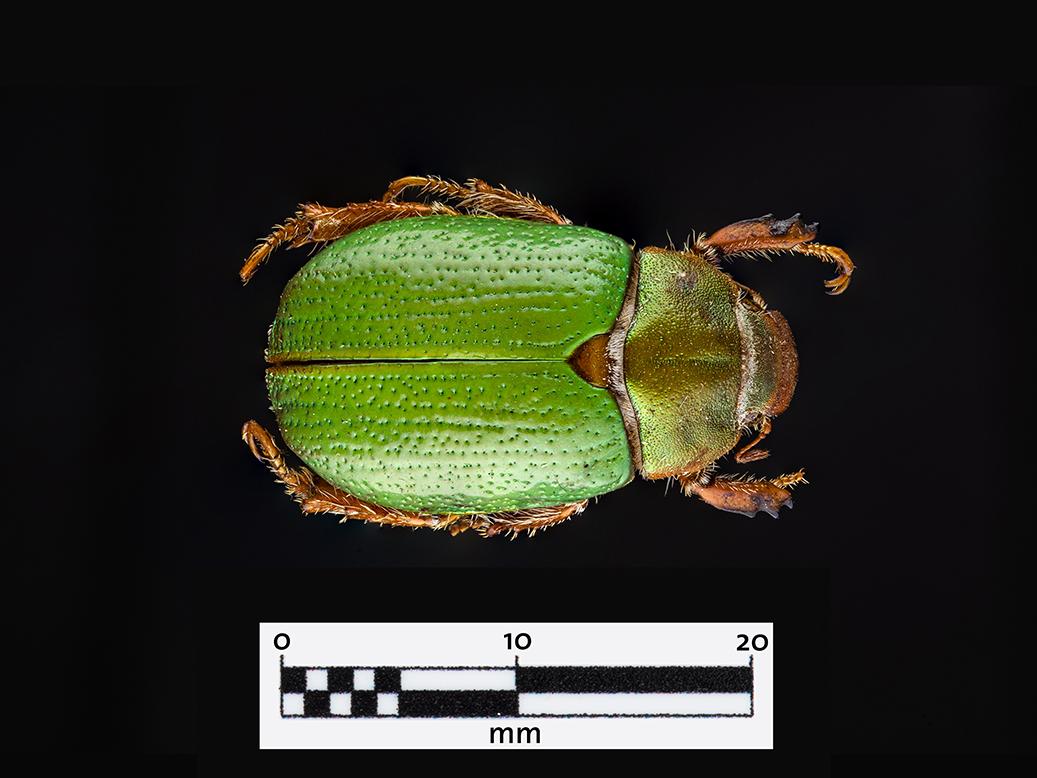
(474, 361)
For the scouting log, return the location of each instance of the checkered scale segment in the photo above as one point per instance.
(322, 692)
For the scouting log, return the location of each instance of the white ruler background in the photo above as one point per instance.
(372, 645)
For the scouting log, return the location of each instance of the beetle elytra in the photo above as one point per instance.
(472, 360)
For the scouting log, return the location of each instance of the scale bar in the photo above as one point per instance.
(587, 685)
(492, 692)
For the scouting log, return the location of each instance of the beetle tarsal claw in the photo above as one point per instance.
(836, 256)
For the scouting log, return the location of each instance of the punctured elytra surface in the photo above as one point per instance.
(453, 287)
(454, 437)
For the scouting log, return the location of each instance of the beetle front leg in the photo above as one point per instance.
(743, 495)
(769, 234)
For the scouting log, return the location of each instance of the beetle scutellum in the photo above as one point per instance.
(477, 362)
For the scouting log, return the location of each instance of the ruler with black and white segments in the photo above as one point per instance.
(355, 685)
(542, 691)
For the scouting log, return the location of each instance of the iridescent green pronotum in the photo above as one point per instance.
(473, 360)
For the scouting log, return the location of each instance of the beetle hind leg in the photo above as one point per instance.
(531, 521)
(476, 196)
(315, 495)
(314, 223)
(742, 494)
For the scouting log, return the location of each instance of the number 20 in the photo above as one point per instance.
(758, 642)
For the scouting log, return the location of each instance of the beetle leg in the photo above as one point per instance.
(476, 196)
(767, 234)
(754, 298)
(834, 255)
(529, 521)
(314, 223)
(743, 495)
(315, 495)
(746, 454)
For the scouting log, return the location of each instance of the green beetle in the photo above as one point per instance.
(472, 360)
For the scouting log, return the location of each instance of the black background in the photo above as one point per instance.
(134, 207)
(795, 600)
